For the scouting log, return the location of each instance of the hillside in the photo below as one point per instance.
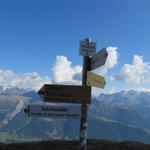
(74, 145)
(114, 117)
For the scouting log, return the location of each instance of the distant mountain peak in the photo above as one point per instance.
(14, 91)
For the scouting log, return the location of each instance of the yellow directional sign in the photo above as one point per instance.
(95, 80)
(65, 93)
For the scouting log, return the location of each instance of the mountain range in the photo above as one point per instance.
(121, 116)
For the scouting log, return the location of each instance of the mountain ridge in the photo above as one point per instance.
(109, 115)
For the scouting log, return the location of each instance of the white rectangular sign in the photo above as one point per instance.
(52, 111)
(99, 59)
(87, 48)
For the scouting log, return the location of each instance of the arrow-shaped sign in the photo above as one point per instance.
(95, 80)
(65, 93)
(99, 59)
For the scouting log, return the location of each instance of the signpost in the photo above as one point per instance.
(95, 80)
(87, 48)
(84, 107)
(52, 111)
(53, 93)
(99, 59)
(96, 61)
(65, 93)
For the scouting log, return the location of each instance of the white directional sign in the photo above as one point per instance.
(52, 111)
(99, 59)
(87, 48)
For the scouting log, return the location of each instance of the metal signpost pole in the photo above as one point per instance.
(84, 107)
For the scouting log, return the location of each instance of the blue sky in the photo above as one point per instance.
(34, 32)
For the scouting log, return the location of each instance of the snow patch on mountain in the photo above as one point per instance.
(11, 115)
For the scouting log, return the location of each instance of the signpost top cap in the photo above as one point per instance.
(87, 39)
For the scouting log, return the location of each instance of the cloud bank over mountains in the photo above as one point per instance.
(27, 80)
(137, 73)
(63, 72)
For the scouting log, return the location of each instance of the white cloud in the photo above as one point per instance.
(112, 58)
(29, 80)
(137, 73)
(112, 61)
(5, 76)
(64, 72)
(143, 89)
(26, 80)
